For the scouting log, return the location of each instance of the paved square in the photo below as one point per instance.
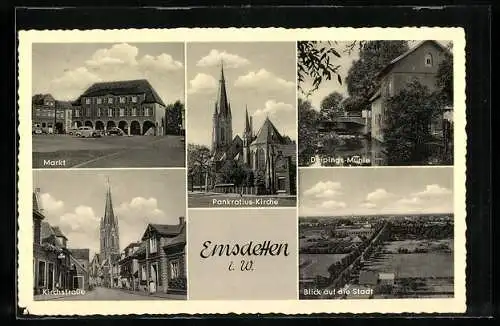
(65, 151)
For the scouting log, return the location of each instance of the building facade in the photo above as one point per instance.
(419, 63)
(132, 105)
(269, 155)
(129, 267)
(49, 115)
(161, 259)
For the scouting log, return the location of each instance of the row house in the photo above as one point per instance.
(161, 258)
(129, 267)
(54, 265)
(50, 115)
(134, 106)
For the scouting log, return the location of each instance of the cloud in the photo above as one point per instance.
(215, 57)
(411, 201)
(378, 195)
(202, 83)
(82, 218)
(272, 107)
(50, 204)
(333, 204)
(433, 190)
(72, 82)
(325, 189)
(117, 54)
(163, 62)
(368, 205)
(263, 79)
(139, 207)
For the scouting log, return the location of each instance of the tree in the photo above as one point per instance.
(315, 60)
(231, 172)
(407, 131)
(373, 56)
(445, 76)
(198, 163)
(308, 129)
(330, 106)
(173, 118)
(355, 103)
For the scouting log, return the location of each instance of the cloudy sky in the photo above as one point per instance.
(259, 75)
(75, 201)
(66, 70)
(345, 61)
(368, 191)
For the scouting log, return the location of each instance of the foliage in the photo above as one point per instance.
(173, 118)
(355, 103)
(373, 56)
(250, 178)
(231, 172)
(198, 159)
(315, 60)
(445, 76)
(330, 106)
(308, 132)
(407, 131)
(259, 180)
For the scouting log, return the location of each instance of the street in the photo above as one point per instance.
(102, 293)
(210, 199)
(65, 151)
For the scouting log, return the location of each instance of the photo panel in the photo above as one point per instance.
(376, 233)
(241, 124)
(108, 105)
(375, 103)
(122, 236)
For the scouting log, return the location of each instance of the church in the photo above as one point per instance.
(270, 156)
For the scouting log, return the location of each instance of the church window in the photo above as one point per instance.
(428, 60)
(261, 159)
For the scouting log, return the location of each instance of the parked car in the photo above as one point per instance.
(114, 131)
(86, 132)
(37, 131)
(72, 131)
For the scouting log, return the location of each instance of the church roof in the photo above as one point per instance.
(222, 105)
(109, 215)
(123, 87)
(268, 134)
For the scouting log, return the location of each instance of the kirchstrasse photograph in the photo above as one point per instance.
(241, 124)
(109, 241)
(372, 103)
(100, 105)
(376, 233)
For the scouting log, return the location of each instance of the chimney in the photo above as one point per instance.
(181, 220)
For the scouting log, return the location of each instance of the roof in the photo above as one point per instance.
(38, 99)
(123, 87)
(268, 134)
(82, 254)
(58, 232)
(180, 239)
(64, 104)
(164, 229)
(407, 53)
(232, 151)
(132, 245)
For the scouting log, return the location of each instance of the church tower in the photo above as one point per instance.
(110, 243)
(222, 127)
(247, 139)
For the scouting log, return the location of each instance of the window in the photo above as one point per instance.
(428, 60)
(152, 245)
(41, 274)
(143, 272)
(88, 112)
(110, 112)
(110, 100)
(122, 112)
(98, 112)
(122, 99)
(281, 184)
(99, 100)
(174, 269)
(134, 99)
(134, 112)
(87, 101)
(146, 112)
(77, 113)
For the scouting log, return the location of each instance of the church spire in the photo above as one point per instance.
(222, 104)
(109, 215)
(247, 121)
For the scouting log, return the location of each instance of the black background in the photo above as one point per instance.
(475, 19)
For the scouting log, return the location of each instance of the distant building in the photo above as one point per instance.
(134, 106)
(161, 258)
(368, 277)
(50, 115)
(420, 63)
(386, 279)
(129, 267)
(95, 271)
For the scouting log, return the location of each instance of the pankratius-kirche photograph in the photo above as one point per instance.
(241, 120)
